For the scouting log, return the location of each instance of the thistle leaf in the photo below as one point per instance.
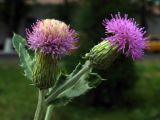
(77, 68)
(16, 40)
(26, 61)
(86, 82)
(63, 78)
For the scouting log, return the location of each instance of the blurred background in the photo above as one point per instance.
(132, 89)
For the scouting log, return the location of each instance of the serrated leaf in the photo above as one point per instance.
(94, 79)
(26, 61)
(77, 68)
(17, 40)
(63, 78)
(86, 82)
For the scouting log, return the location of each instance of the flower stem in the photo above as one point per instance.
(49, 112)
(41, 107)
(86, 67)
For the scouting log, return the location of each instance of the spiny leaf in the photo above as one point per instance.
(63, 78)
(26, 61)
(77, 68)
(94, 79)
(86, 82)
(17, 40)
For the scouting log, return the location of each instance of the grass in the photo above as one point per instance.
(18, 98)
(148, 85)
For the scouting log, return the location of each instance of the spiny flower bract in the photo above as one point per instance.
(126, 34)
(51, 36)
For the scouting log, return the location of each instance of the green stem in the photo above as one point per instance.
(49, 112)
(86, 67)
(41, 107)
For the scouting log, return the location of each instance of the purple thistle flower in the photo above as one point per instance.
(125, 33)
(53, 37)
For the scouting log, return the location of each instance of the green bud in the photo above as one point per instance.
(102, 55)
(44, 71)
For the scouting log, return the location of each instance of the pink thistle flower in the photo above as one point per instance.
(126, 34)
(52, 37)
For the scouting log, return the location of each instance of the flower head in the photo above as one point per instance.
(52, 37)
(125, 33)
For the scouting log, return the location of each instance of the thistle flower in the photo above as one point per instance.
(51, 39)
(125, 33)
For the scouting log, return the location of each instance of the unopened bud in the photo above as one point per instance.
(102, 55)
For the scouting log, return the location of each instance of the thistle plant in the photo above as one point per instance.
(50, 40)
